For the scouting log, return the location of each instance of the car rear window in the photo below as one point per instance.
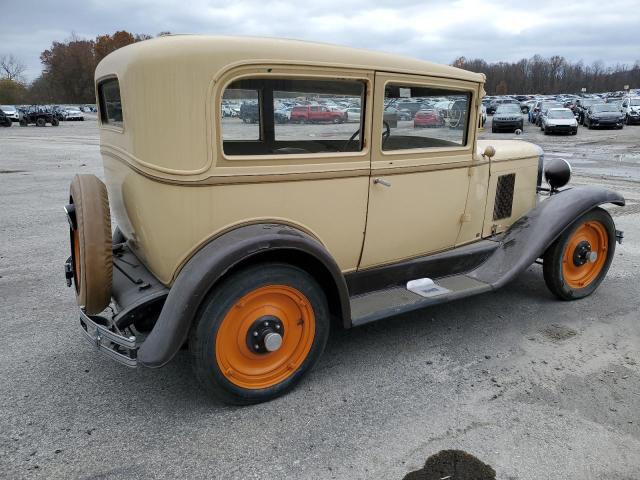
(447, 126)
(110, 103)
(293, 116)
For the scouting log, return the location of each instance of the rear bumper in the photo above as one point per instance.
(97, 331)
(137, 298)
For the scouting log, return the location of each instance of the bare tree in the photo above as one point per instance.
(11, 68)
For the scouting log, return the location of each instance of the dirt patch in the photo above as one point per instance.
(558, 333)
(453, 464)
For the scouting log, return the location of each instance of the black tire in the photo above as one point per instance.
(41, 122)
(545, 130)
(23, 123)
(493, 130)
(219, 304)
(55, 122)
(553, 257)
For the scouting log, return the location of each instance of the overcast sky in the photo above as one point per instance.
(437, 30)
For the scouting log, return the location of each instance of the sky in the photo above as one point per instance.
(435, 30)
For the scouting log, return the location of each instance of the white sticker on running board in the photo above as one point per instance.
(426, 287)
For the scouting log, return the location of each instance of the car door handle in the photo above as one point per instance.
(382, 181)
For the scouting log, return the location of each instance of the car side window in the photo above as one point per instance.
(424, 117)
(242, 120)
(293, 116)
(110, 103)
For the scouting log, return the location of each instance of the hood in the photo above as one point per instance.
(561, 121)
(606, 114)
(507, 116)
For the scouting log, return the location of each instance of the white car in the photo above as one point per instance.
(559, 120)
(353, 114)
(630, 109)
(11, 112)
(73, 113)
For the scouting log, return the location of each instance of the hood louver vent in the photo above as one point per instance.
(503, 204)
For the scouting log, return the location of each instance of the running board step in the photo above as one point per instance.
(379, 304)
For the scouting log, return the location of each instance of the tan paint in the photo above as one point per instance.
(172, 189)
(512, 156)
(421, 211)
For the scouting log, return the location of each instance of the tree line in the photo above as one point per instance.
(539, 75)
(68, 68)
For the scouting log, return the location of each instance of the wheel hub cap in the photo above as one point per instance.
(583, 254)
(265, 335)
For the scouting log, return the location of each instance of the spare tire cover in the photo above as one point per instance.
(91, 246)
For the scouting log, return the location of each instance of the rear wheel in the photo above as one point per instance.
(41, 122)
(259, 332)
(576, 263)
(55, 122)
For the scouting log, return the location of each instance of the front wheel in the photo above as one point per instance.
(577, 262)
(259, 332)
(55, 122)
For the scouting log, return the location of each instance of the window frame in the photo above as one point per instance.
(293, 72)
(101, 107)
(435, 83)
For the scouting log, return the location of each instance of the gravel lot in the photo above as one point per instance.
(534, 387)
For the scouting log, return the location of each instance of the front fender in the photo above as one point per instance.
(529, 237)
(208, 265)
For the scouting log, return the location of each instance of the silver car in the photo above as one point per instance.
(559, 120)
(11, 112)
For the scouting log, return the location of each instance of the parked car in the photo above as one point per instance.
(353, 114)
(491, 108)
(73, 113)
(411, 107)
(559, 120)
(262, 244)
(11, 112)
(604, 115)
(631, 110)
(315, 114)
(542, 109)
(582, 105)
(507, 117)
(250, 112)
(5, 120)
(39, 116)
(427, 119)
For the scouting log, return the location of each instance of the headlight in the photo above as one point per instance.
(557, 173)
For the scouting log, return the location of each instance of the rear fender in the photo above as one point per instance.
(209, 264)
(529, 237)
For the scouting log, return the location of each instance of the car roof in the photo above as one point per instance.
(220, 52)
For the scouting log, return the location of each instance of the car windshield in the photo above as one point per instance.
(603, 107)
(560, 114)
(7, 108)
(635, 102)
(547, 106)
(508, 108)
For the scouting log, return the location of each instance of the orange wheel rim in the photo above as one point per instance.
(579, 268)
(236, 353)
(75, 240)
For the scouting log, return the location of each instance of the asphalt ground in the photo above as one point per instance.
(534, 387)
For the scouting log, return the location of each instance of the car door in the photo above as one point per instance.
(420, 177)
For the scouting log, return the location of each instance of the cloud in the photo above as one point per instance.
(436, 30)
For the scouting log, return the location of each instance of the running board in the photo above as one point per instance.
(380, 304)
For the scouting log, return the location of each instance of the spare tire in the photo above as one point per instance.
(91, 247)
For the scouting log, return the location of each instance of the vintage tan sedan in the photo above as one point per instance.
(247, 237)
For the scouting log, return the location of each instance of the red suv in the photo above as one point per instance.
(316, 113)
